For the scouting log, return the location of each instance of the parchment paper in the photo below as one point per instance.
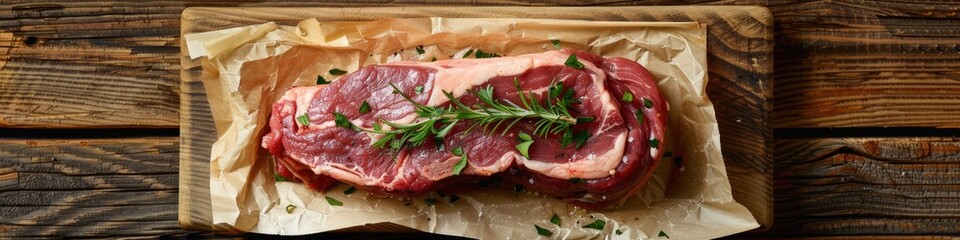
(246, 69)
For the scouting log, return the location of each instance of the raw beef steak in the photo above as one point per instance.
(615, 161)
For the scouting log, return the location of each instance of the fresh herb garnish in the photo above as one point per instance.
(457, 151)
(555, 219)
(337, 72)
(349, 190)
(663, 234)
(434, 59)
(543, 231)
(640, 115)
(481, 54)
(430, 201)
(552, 117)
(647, 103)
(465, 55)
(460, 165)
(573, 62)
(627, 97)
(364, 107)
(290, 208)
(524, 146)
(420, 49)
(618, 232)
(654, 143)
(556, 43)
(333, 201)
(342, 121)
(418, 89)
(321, 80)
(304, 120)
(598, 225)
(278, 178)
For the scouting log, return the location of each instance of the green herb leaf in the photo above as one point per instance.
(618, 232)
(543, 231)
(580, 138)
(364, 107)
(654, 143)
(578, 180)
(333, 201)
(304, 120)
(430, 201)
(647, 103)
(418, 89)
(524, 137)
(556, 43)
(434, 59)
(279, 178)
(342, 121)
(481, 54)
(465, 55)
(349, 190)
(663, 234)
(420, 49)
(555, 219)
(457, 151)
(460, 165)
(336, 72)
(454, 198)
(524, 148)
(627, 97)
(377, 126)
(598, 225)
(582, 120)
(573, 62)
(321, 80)
(640, 115)
(290, 208)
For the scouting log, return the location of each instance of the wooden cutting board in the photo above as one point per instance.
(740, 66)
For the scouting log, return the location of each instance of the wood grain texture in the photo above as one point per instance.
(739, 59)
(81, 188)
(867, 64)
(850, 186)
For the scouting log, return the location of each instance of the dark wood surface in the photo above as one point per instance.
(889, 66)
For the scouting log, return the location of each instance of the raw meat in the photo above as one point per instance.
(616, 160)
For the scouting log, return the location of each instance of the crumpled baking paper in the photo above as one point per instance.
(246, 69)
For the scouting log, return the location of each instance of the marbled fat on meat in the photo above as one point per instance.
(614, 163)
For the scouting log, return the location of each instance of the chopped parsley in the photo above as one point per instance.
(654, 143)
(364, 107)
(647, 103)
(618, 232)
(349, 190)
(663, 234)
(333, 201)
(304, 120)
(321, 80)
(465, 55)
(573, 62)
(460, 165)
(420, 49)
(481, 54)
(556, 43)
(524, 145)
(627, 97)
(279, 178)
(543, 231)
(555, 219)
(336, 72)
(342, 121)
(598, 225)
(419, 89)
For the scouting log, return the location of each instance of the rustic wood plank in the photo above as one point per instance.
(123, 187)
(867, 64)
(739, 59)
(846, 186)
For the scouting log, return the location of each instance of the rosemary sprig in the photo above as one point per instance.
(553, 116)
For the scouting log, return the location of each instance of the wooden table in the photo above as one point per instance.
(866, 115)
